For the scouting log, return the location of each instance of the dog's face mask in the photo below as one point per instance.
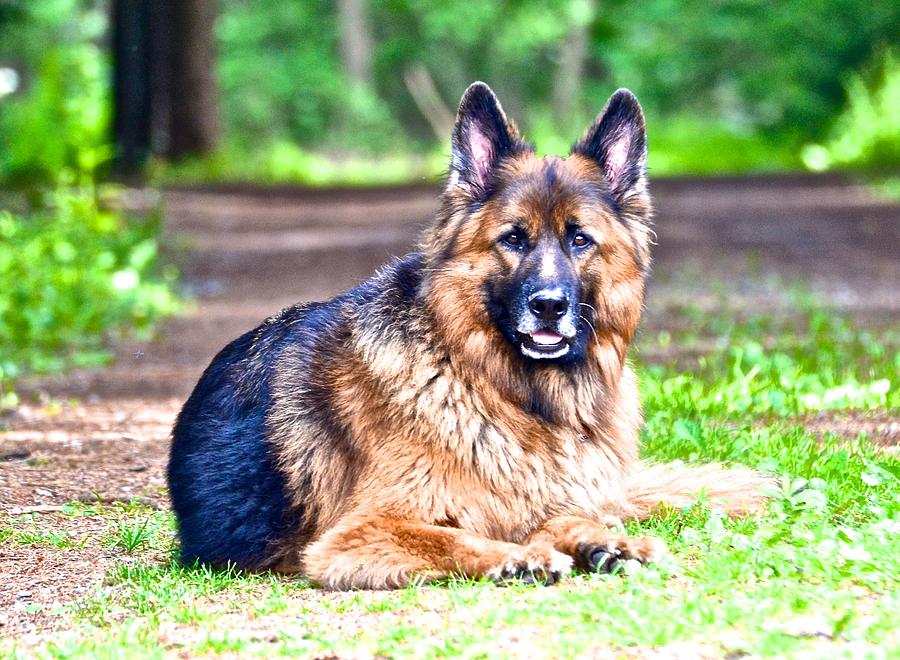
(537, 303)
(543, 246)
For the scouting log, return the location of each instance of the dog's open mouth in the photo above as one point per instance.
(544, 344)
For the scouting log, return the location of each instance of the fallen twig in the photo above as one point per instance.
(40, 508)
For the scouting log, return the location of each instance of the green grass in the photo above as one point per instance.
(131, 534)
(817, 574)
(282, 162)
(15, 534)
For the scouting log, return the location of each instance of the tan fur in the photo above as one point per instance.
(379, 552)
(736, 491)
(578, 538)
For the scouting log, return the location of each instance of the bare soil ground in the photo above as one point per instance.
(102, 435)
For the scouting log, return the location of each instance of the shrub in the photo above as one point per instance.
(60, 117)
(867, 134)
(72, 274)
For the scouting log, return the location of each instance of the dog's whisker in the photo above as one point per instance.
(591, 326)
(442, 270)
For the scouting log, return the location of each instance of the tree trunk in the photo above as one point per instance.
(164, 80)
(131, 85)
(570, 71)
(355, 41)
(193, 99)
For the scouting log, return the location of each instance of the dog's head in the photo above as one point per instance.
(544, 256)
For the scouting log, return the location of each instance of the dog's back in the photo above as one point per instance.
(232, 499)
(229, 496)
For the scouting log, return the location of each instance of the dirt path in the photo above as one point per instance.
(245, 254)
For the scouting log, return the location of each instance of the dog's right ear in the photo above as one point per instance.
(482, 137)
(617, 142)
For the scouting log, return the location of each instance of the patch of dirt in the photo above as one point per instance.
(109, 451)
(40, 581)
(99, 453)
(247, 252)
(879, 427)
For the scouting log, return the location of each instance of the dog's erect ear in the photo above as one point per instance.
(617, 140)
(482, 137)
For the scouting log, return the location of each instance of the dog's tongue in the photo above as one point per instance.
(546, 337)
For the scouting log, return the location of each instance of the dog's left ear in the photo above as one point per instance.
(617, 141)
(482, 137)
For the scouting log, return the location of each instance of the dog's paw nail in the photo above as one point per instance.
(616, 567)
(600, 560)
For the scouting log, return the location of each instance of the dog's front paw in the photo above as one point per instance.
(533, 563)
(607, 555)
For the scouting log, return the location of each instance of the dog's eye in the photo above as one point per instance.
(580, 241)
(514, 239)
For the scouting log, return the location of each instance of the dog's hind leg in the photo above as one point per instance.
(596, 547)
(379, 552)
(736, 491)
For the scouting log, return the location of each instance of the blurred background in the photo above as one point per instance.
(158, 151)
(361, 92)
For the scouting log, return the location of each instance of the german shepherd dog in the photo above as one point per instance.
(469, 409)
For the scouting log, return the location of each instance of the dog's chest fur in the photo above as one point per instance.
(443, 450)
(496, 479)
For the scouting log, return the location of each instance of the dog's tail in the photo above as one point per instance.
(735, 491)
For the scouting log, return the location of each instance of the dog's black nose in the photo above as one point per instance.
(549, 305)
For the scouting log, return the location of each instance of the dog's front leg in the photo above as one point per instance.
(593, 546)
(368, 551)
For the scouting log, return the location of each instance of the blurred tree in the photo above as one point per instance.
(278, 69)
(567, 85)
(165, 90)
(193, 99)
(283, 79)
(356, 42)
(132, 98)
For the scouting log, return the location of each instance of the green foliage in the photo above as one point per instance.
(281, 79)
(61, 117)
(728, 87)
(886, 186)
(754, 64)
(743, 83)
(687, 144)
(72, 274)
(723, 91)
(867, 133)
(282, 161)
